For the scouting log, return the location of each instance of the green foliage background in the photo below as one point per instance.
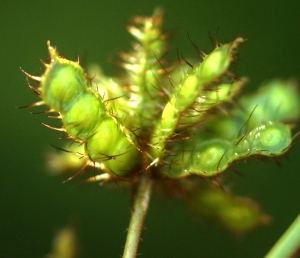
(34, 205)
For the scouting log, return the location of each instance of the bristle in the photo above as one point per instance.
(102, 177)
(36, 78)
(33, 88)
(36, 104)
(61, 129)
(77, 59)
(79, 172)
(44, 63)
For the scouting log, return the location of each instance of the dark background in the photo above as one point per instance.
(33, 205)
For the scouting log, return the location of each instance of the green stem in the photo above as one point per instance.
(288, 244)
(139, 210)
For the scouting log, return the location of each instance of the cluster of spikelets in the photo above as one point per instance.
(149, 121)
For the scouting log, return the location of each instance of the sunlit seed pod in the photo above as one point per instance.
(109, 146)
(217, 63)
(211, 157)
(193, 87)
(83, 115)
(180, 100)
(164, 128)
(163, 116)
(189, 89)
(100, 145)
(169, 117)
(268, 139)
(62, 83)
(271, 138)
(201, 155)
(126, 158)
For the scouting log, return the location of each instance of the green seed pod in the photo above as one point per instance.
(276, 100)
(200, 157)
(217, 63)
(64, 87)
(62, 82)
(241, 215)
(271, 139)
(100, 145)
(81, 118)
(236, 214)
(196, 94)
(189, 89)
(125, 159)
(206, 155)
(267, 139)
(211, 157)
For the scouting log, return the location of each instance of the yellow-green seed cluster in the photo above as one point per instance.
(145, 119)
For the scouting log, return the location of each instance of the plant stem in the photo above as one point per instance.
(288, 243)
(141, 199)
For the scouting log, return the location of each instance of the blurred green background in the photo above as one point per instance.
(33, 205)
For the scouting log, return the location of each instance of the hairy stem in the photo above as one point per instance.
(141, 199)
